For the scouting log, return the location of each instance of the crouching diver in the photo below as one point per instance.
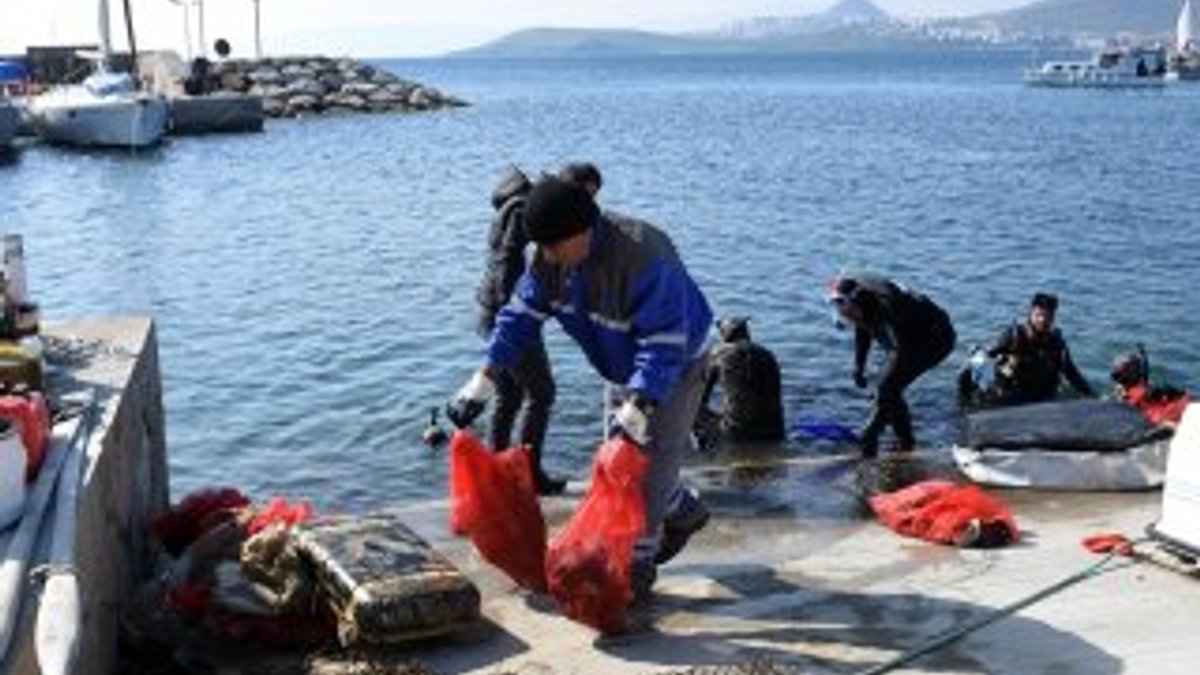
(618, 288)
(748, 373)
(916, 334)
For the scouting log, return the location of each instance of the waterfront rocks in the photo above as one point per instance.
(295, 86)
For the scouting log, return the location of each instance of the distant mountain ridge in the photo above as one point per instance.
(843, 14)
(858, 24)
(1097, 17)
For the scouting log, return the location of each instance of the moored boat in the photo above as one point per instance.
(1134, 67)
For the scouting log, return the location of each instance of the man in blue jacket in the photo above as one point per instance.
(617, 286)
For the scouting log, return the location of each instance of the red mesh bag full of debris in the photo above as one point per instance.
(942, 512)
(589, 561)
(199, 512)
(493, 500)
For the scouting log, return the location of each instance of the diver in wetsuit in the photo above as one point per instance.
(1032, 357)
(916, 333)
(750, 385)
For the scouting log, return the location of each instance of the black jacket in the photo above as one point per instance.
(1035, 364)
(506, 248)
(909, 325)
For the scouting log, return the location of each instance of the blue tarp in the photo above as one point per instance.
(13, 71)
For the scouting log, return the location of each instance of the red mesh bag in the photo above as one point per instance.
(942, 512)
(195, 515)
(493, 500)
(589, 562)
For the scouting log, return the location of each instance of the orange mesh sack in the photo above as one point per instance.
(589, 561)
(945, 513)
(493, 501)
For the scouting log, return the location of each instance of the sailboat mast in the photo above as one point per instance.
(133, 55)
(105, 36)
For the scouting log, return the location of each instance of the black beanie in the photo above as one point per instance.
(556, 210)
(1046, 301)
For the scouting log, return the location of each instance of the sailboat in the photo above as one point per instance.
(106, 109)
(1185, 62)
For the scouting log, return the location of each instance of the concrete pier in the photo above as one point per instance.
(793, 577)
(221, 112)
(123, 483)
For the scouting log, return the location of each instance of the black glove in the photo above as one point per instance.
(860, 379)
(470, 401)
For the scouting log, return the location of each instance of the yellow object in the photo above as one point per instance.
(19, 368)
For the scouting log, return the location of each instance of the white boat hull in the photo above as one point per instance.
(125, 122)
(1037, 78)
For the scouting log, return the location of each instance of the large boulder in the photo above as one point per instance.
(306, 85)
(266, 75)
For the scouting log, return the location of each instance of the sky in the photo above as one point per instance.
(376, 28)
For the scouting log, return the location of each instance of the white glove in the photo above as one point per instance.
(633, 418)
(470, 401)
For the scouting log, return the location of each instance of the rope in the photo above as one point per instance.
(953, 635)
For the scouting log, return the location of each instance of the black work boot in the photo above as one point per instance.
(688, 518)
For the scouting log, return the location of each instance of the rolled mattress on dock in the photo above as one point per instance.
(386, 583)
(1072, 445)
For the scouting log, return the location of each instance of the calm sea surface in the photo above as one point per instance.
(313, 284)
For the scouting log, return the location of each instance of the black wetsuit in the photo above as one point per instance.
(750, 386)
(917, 334)
(530, 382)
(1036, 365)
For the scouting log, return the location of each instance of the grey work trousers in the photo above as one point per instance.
(670, 433)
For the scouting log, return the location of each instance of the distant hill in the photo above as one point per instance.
(1097, 17)
(859, 25)
(841, 15)
(584, 42)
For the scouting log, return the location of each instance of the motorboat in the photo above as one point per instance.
(107, 109)
(1133, 67)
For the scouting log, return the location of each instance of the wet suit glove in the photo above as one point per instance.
(632, 419)
(470, 401)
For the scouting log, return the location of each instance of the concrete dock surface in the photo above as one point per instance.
(793, 576)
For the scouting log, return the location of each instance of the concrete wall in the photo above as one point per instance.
(124, 483)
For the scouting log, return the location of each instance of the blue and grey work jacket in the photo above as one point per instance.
(630, 305)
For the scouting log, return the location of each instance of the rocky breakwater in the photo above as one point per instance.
(295, 86)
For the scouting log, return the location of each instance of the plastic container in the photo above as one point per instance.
(13, 470)
(31, 417)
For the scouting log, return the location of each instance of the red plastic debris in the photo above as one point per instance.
(493, 500)
(589, 562)
(1109, 543)
(278, 511)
